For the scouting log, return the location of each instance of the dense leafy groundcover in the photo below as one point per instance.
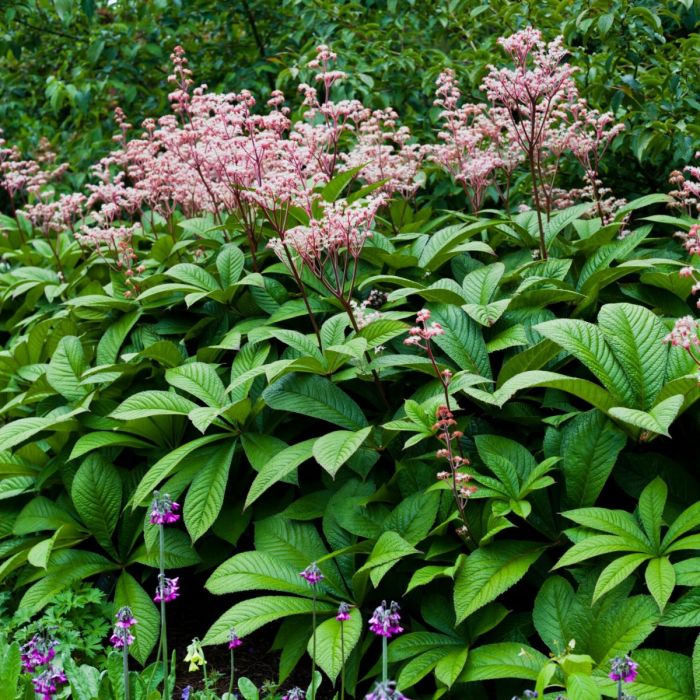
(273, 319)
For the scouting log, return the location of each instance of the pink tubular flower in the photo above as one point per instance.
(121, 636)
(386, 621)
(343, 612)
(623, 669)
(163, 509)
(38, 651)
(47, 682)
(167, 590)
(234, 641)
(312, 574)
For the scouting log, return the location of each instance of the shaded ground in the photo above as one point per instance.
(190, 617)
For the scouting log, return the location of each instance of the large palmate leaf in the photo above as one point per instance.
(490, 571)
(315, 397)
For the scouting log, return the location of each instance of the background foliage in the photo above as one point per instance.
(68, 63)
(206, 380)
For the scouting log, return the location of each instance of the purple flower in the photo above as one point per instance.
(125, 618)
(385, 691)
(163, 509)
(386, 621)
(343, 612)
(167, 590)
(294, 694)
(186, 692)
(622, 668)
(312, 574)
(38, 651)
(47, 682)
(121, 637)
(234, 641)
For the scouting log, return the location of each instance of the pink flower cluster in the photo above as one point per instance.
(420, 335)
(535, 115)
(684, 334)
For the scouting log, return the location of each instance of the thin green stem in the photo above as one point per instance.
(230, 682)
(342, 657)
(313, 647)
(125, 657)
(385, 661)
(163, 627)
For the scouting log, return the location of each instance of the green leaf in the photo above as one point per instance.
(332, 650)
(490, 571)
(661, 580)
(65, 370)
(252, 614)
(280, 466)
(419, 667)
(636, 336)
(462, 341)
(685, 612)
(315, 397)
(114, 337)
(332, 450)
(388, 549)
(657, 420)
(589, 448)
(194, 275)
(615, 522)
(150, 403)
(130, 593)
(256, 571)
(66, 567)
(200, 380)
(651, 509)
(97, 495)
(581, 687)
(688, 520)
(165, 466)
(229, 263)
(10, 670)
(663, 675)
(205, 496)
(587, 344)
(503, 660)
(617, 571)
(449, 667)
(552, 614)
(99, 439)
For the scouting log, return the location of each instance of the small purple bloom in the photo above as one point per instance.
(125, 618)
(386, 621)
(167, 590)
(343, 612)
(294, 694)
(38, 651)
(622, 668)
(163, 509)
(385, 691)
(312, 574)
(47, 682)
(186, 692)
(234, 641)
